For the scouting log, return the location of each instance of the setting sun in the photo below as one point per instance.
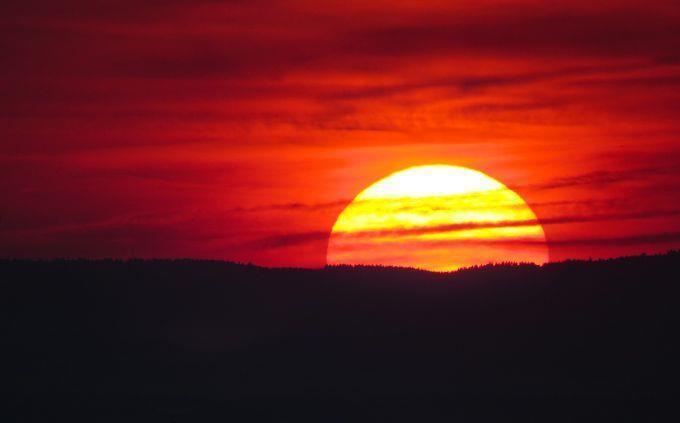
(437, 217)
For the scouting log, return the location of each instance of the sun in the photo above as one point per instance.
(437, 217)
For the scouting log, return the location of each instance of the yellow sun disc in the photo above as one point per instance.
(437, 217)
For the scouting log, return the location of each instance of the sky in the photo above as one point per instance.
(240, 130)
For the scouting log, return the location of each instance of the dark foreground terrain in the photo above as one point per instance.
(198, 340)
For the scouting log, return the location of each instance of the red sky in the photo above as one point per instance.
(240, 130)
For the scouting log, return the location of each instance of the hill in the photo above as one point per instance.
(179, 339)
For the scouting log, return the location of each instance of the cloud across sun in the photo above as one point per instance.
(437, 217)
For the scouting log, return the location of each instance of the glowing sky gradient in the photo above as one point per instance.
(241, 130)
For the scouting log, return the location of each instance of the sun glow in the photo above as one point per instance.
(437, 217)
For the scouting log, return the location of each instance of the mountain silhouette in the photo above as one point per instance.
(170, 340)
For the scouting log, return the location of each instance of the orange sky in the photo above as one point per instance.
(240, 130)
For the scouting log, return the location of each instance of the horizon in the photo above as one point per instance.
(509, 264)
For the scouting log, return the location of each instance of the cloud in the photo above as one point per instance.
(558, 220)
(296, 206)
(292, 239)
(208, 39)
(627, 240)
(617, 241)
(338, 204)
(521, 32)
(288, 240)
(599, 178)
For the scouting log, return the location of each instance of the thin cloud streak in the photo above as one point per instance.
(631, 240)
(393, 235)
(560, 220)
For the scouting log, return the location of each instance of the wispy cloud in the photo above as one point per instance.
(397, 234)
(288, 240)
(616, 241)
(601, 178)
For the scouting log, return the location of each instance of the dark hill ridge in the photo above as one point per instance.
(120, 335)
